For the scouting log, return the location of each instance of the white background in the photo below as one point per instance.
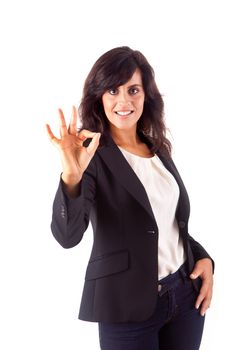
(47, 49)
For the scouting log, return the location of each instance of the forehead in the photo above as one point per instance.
(136, 78)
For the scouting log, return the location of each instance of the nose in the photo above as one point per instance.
(123, 98)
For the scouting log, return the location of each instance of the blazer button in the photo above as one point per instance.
(151, 231)
(182, 224)
(63, 212)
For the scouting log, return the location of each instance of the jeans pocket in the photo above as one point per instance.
(197, 283)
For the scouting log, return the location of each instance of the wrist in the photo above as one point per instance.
(71, 180)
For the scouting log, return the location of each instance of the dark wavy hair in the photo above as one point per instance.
(113, 69)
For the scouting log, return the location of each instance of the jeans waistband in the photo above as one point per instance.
(173, 280)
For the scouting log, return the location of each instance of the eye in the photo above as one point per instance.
(133, 91)
(112, 91)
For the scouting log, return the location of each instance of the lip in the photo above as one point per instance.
(124, 113)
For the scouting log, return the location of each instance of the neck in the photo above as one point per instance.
(125, 137)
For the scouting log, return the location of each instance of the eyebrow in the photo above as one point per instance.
(134, 85)
(131, 86)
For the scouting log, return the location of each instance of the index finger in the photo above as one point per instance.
(84, 134)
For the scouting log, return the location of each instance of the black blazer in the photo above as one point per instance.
(122, 273)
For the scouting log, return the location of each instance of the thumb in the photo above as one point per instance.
(195, 273)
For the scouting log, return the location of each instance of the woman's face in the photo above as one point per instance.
(123, 105)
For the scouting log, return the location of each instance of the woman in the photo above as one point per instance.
(148, 283)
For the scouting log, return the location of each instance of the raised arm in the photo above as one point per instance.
(76, 191)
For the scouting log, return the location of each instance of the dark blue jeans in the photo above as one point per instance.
(175, 324)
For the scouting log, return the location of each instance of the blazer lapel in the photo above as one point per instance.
(183, 206)
(123, 172)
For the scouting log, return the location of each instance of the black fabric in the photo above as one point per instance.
(122, 274)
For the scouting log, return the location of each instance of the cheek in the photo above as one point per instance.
(140, 101)
(107, 104)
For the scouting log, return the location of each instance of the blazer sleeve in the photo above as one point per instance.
(198, 251)
(70, 216)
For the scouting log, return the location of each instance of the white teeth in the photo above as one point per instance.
(124, 113)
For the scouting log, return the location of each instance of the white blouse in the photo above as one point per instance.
(163, 193)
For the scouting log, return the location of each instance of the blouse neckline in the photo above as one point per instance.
(137, 156)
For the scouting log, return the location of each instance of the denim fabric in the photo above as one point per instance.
(174, 325)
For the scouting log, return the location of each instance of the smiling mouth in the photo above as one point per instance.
(123, 113)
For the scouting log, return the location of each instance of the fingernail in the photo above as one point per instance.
(197, 306)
